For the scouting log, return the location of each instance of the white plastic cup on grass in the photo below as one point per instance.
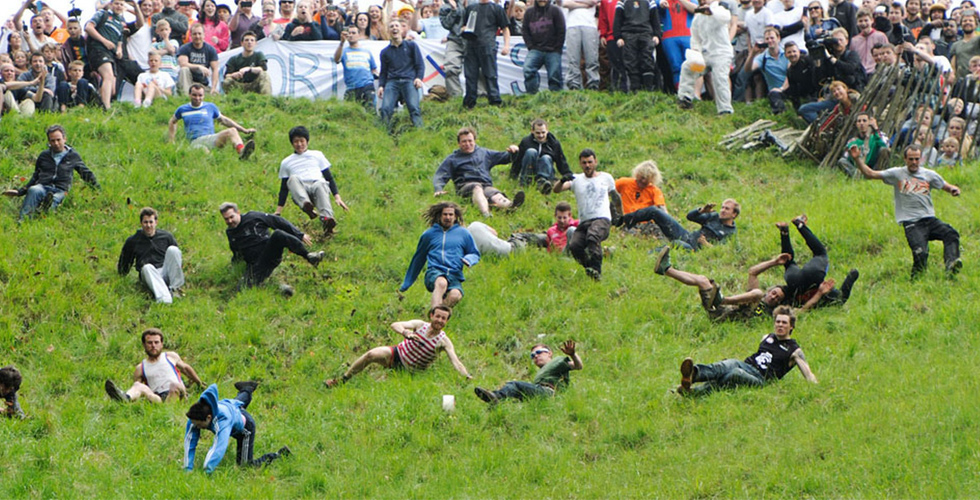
(449, 403)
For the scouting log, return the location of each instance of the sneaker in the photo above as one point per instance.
(518, 200)
(246, 386)
(783, 227)
(487, 396)
(685, 103)
(718, 296)
(309, 209)
(687, 372)
(177, 293)
(114, 392)
(329, 223)
(800, 220)
(593, 273)
(954, 267)
(247, 150)
(284, 452)
(544, 186)
(663, 261)
(286, 290)
(845, 289)
(315, 258)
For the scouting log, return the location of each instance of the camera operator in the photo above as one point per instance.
(834, 61)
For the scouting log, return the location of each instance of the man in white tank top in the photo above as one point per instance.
(422, 344)
(158, 377)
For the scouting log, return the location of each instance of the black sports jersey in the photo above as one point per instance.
(774, 356)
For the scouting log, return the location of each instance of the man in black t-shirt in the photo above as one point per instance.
(248, 71)
(198, 63)
(778, 353)
(249, 240)
(480, 24)
(157, 258)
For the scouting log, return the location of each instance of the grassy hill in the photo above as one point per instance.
(894, 415)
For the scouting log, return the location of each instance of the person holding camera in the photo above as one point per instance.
(242, 22)
(773, 64)
(835, 61)
(802, 86)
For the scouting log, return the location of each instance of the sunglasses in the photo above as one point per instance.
(536, 352)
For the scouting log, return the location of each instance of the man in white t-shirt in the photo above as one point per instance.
(581, 42)
(305, 176)
(158, 377)
(914, 209)
(599, 206)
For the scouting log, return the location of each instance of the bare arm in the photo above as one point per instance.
(858, 159)
(214, 76)
(506, 48)
(800, 361)
(451, 352)
(822, 290)
(951, 189)
(185, 368)
(407, 328)
(20, 13)
(569, 349)
(764, 266)
(563, 186)
(340, 48)
(172, 129)
(138, 374)
(228, 122)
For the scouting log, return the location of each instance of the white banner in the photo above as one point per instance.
(306, 69)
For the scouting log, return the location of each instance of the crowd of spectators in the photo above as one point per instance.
(815, 57)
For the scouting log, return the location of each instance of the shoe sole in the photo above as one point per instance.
(310, 210)
(329, 225)
(246, 386)
(687, 371)
(247, 150)
(114, 393)
(955, 268)
(517, 201)
(545, 188)
(484, 395)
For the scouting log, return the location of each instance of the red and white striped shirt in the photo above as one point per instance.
(418, 355)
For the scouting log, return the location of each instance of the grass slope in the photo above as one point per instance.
(894, 414)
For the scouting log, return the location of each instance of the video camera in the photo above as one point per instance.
(818, 47)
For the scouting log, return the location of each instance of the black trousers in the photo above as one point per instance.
(810, 275)
(920, 232)
(638, 60)
(586, 242)
(271, 257)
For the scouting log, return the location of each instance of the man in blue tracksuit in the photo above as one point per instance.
(444, 249)
(226, 418)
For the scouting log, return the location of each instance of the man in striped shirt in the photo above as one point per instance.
(423, 342)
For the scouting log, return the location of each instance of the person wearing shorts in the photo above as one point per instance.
(158, 377)
(423, 342)
(469, 169)
(199, 117)
(444, 249)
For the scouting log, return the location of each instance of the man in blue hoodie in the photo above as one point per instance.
(226, 418)
(444, 249)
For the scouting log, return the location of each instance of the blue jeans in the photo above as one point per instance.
(811, 110)
(520, 390)
(541, 167)
(401, 88)
(552, 63)
(480, 60)
(729, 373)
(668, 225)
(36, 194)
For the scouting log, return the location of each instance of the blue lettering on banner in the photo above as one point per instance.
(294, 77)
(515, 55)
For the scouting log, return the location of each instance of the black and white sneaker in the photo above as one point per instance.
(114, 392)
(517, 201)
(247, 150)
(487, 396)
(315, 258)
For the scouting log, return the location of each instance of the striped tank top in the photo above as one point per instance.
(418, 355)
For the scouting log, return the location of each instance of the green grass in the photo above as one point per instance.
(894, 414)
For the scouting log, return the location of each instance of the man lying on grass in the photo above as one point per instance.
(777, 355)
(805, 286)
(422, 344)
(552, 375)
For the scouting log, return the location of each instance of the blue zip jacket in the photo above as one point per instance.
(464, 168)
(443, 250)
(226, 420)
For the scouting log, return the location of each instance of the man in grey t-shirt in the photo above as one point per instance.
(914, 210)
(599, 206)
